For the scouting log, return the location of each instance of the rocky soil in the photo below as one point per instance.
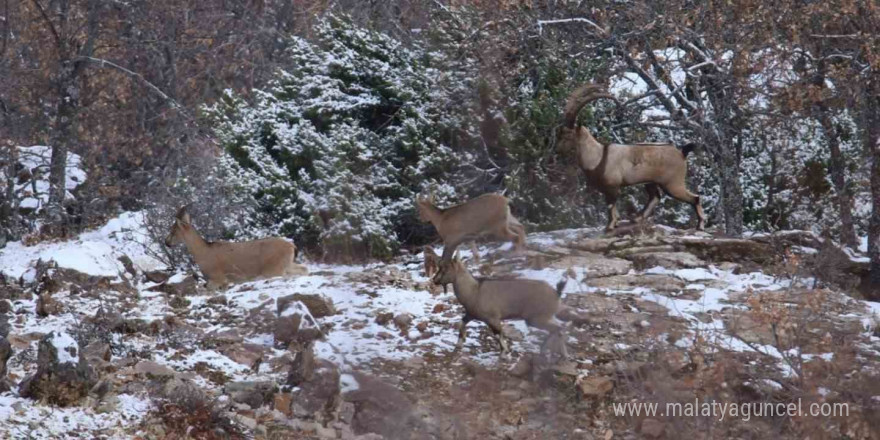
(121, 349)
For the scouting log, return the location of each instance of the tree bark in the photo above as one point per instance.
(731, 192)
(838, 178)
(871, 139)
(62, 136)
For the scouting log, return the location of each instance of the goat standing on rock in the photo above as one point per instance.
(222, 262)
(493, 301)
(610, 167)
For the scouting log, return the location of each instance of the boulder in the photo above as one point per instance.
(295, 326)
(5, 354)
(597, 266)
(247, 354)
(383, 409)
(669, 260)
(97, 354)
(318, 305)
(252, 393)
(319, 397)
(46, 305)
(403, 321)
(656, 282)
(151, 369)
(302, 366)
(157, 276)
(595, 386)
(63, 376)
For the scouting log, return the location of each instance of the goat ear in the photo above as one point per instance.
(185, 218)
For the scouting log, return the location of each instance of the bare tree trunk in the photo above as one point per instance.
(838, 178)
(871, 286)
(62, 136)
(9, 208)
(731, 192)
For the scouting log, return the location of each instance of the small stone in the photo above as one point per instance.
(522, 368)
(403, 321)
(46, 305)
(150, 368)
(218, 300)
(318, 305)
(384, 318)
(282, 403)
(595, 386)
(440, 308)
(346, 412)
(422, 326)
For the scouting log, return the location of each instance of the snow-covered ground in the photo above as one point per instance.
(355, 340)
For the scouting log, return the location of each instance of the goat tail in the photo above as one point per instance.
(560, 286)
(687, 148)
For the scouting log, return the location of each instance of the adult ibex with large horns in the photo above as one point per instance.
(612, 166)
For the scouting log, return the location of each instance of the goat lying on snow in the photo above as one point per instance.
(610, 167)
(488, 214)
(492, 301)
(222, 262)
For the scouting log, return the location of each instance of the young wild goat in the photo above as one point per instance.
(610, 167)
(493, 301)
(224, 262)
(488, 214)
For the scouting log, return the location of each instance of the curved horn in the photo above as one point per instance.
(580, 97)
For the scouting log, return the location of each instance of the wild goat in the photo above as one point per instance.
(492, 301)
(488, 214)
(610, 167)
(223, 262)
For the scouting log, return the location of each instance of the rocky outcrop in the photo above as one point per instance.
(5, 354)
(318, 305)
(295, 326)
(63, 375)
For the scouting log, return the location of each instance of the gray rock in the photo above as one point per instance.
(5, 354)
(319, 397)
(63, 375)
(318, 305)
(294, 326)
(669, 260)
(597, 266)
(150, 368)
(253, 393)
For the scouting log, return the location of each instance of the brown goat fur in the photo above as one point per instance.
(488, 214)
(223, 262)
(494, 300)
(610, 167)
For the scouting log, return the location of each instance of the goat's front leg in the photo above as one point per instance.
(613, 216)
(496, 327)
(462, 331)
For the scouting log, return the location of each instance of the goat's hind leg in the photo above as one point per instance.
(653, 199)
(679, 192)
(496, 327)
(556, 332)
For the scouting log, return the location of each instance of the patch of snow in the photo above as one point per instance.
(347, 383)
(66, 346)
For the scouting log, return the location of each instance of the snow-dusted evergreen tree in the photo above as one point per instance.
(335, 150)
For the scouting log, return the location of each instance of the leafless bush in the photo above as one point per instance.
(187, 412)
